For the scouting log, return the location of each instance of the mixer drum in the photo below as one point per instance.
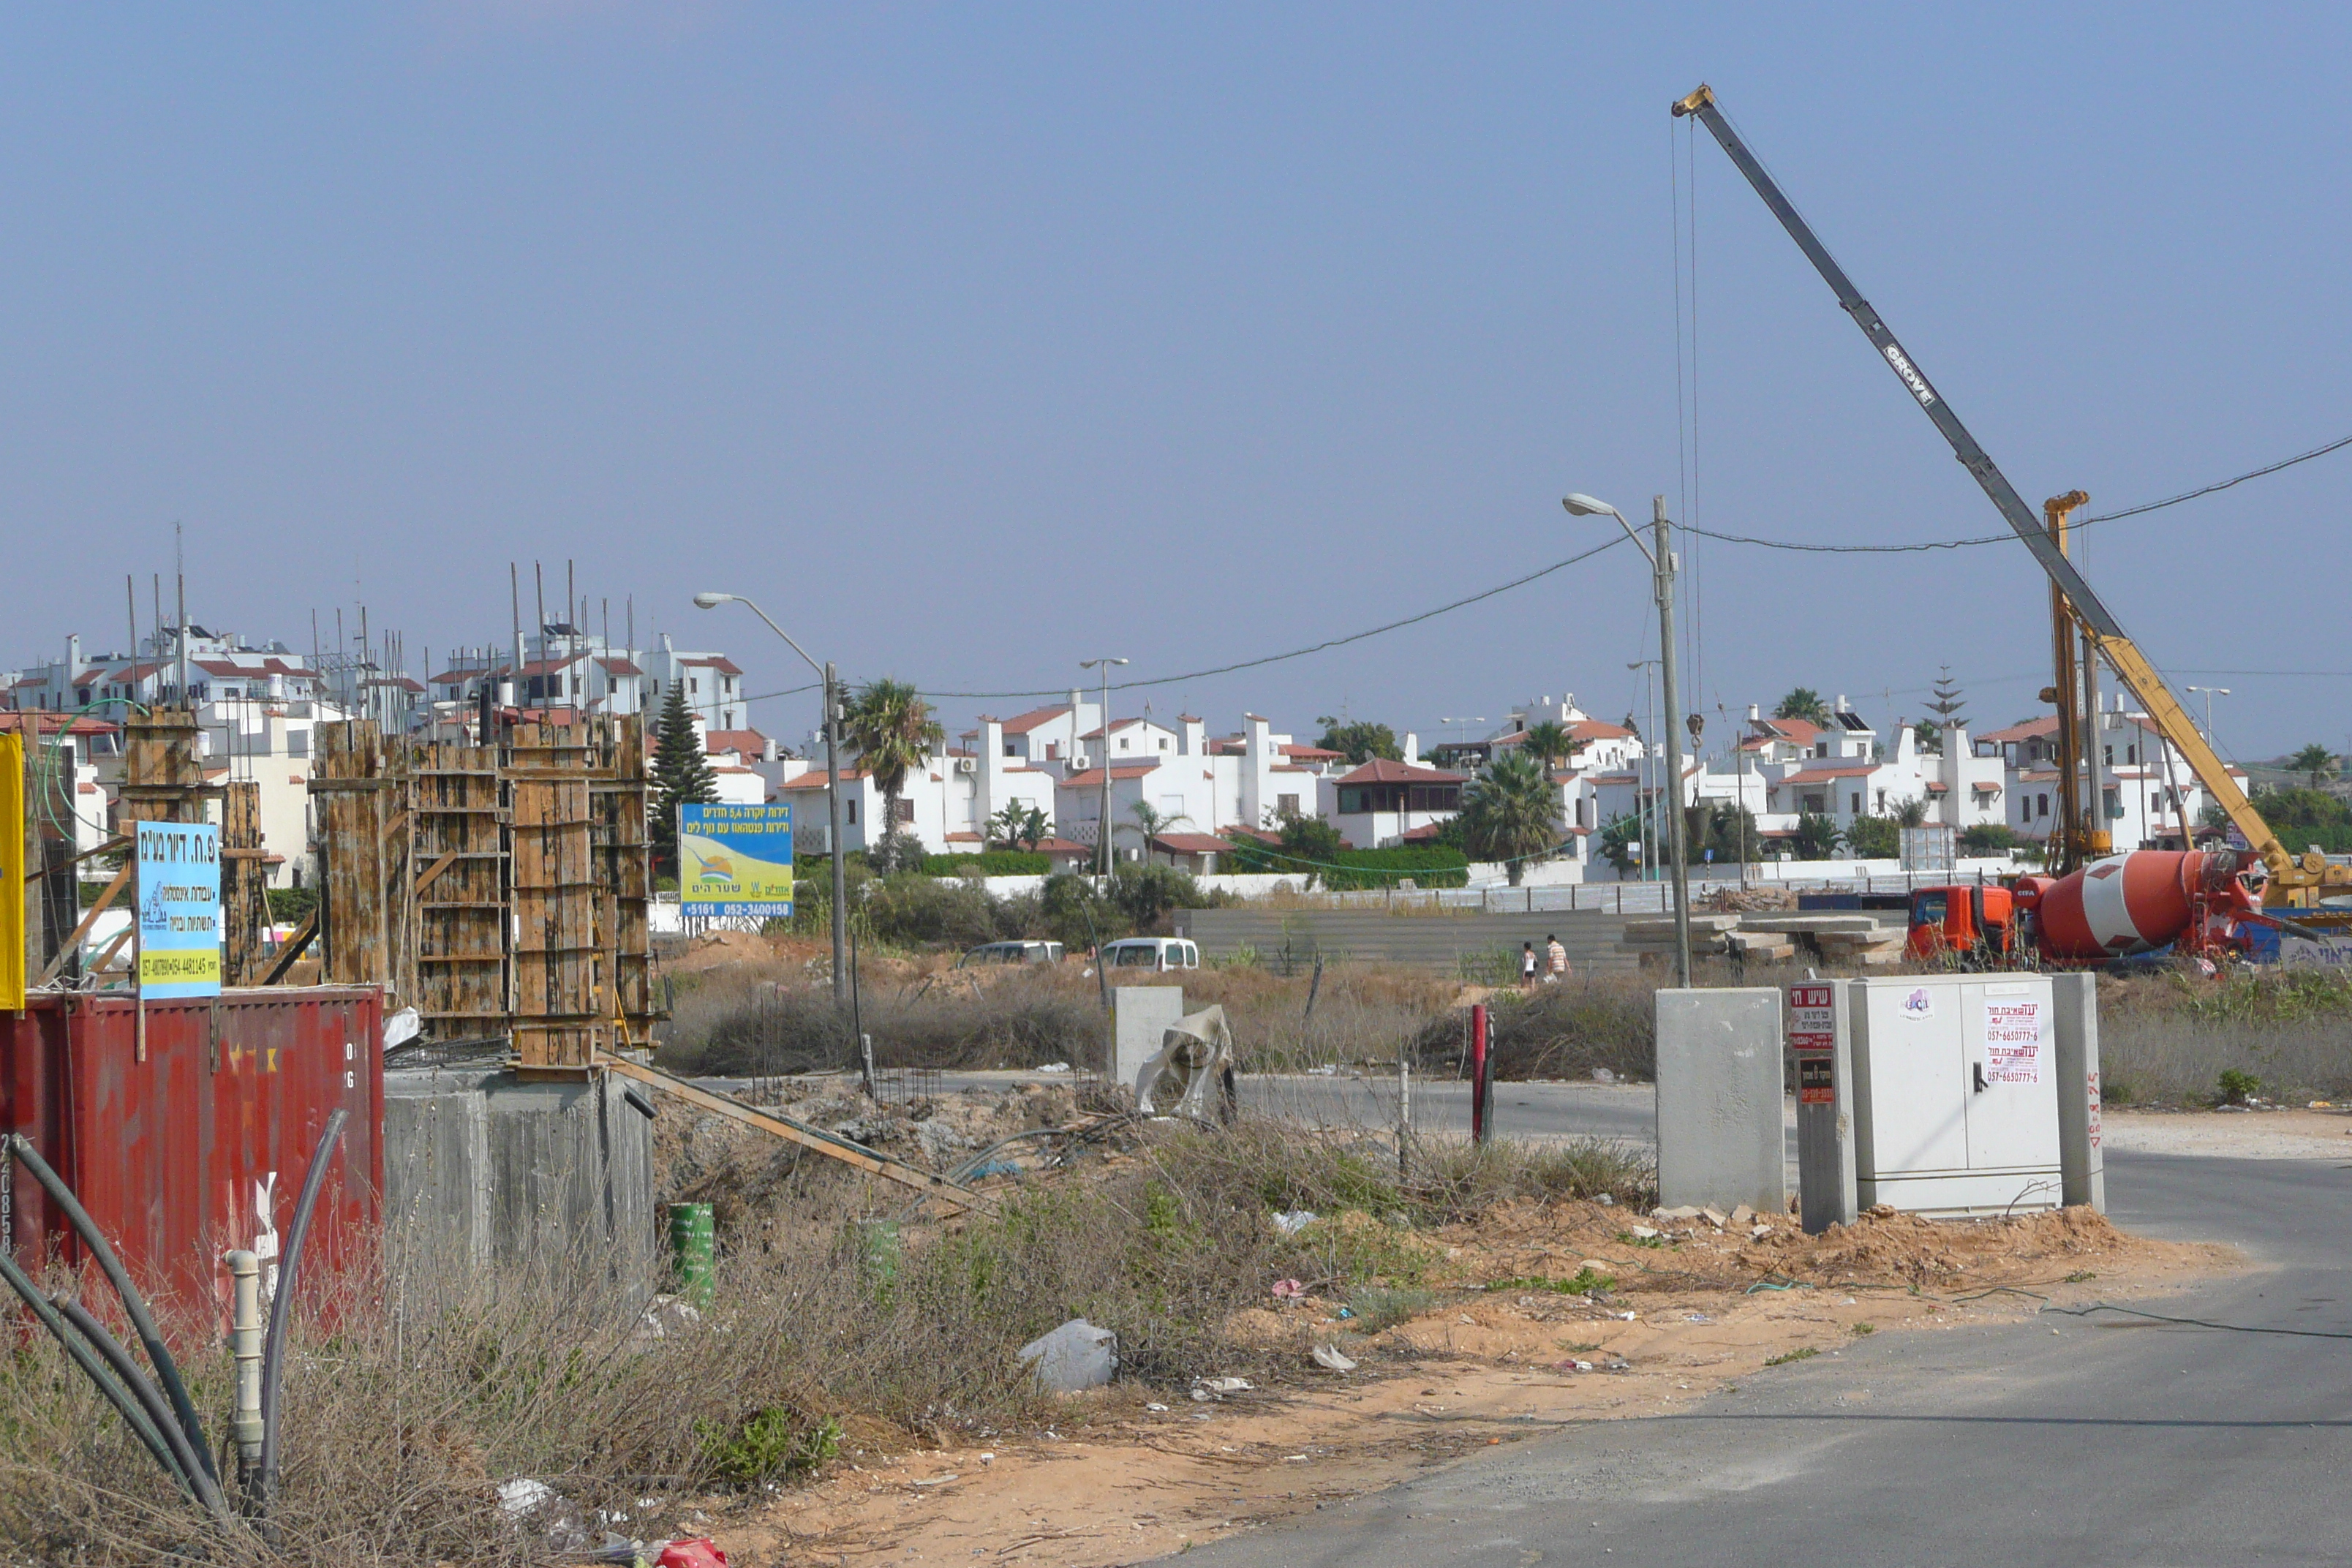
(2135, 902)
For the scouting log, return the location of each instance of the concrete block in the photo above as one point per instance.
(481, 1167)
(2081, 1165)
(1141, 1015)
(1719, 1126)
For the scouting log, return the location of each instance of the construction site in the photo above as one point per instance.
(518, 1122)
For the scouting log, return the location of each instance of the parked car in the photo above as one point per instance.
(1153, 953)
(1012, 952)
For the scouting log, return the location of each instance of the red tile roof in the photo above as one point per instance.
(816, 779)
(1822, 775)
(1800, 730)
(1092, 778)
(1312, 753)
(750, 742)
(1192, 844)
(1594, 730)
(718, 661)
(1380, 770)
(2045, 725)
(1021, 723)
(619, 667)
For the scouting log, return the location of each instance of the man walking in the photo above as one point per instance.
(1558, 955)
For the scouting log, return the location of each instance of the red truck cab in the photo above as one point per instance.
(1965, 918)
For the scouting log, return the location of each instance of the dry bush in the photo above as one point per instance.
(2168, 1035)
(752, 1027)
(1559, 1031)
(422, 1389)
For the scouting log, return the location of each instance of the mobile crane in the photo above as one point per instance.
(2212, 894)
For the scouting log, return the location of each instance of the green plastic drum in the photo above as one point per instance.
(693, 1248)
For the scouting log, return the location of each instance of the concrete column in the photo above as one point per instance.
(1720, 1141)
(2081, 1164)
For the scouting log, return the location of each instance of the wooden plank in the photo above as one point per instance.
(807, 1137)
(90, 918)
(295, 943)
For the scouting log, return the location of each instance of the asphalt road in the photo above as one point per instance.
(2109, 1440)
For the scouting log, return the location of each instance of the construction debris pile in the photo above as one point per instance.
(1866, 938)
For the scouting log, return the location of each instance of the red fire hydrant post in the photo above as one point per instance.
(1481, 1073)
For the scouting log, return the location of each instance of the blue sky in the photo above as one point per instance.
(977, 340)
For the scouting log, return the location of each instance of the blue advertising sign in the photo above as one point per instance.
(179, 909)
(734, 860)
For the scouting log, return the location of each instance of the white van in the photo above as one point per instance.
(1158, 953)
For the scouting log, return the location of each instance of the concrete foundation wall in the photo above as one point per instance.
(481, 1167)
(1720, 1141)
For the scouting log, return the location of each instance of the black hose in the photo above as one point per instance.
(134, 1414)
(273, 1348)
(192, 1425)
(208, 1491)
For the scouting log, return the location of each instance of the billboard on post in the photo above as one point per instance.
(179, 909)
(734, 860)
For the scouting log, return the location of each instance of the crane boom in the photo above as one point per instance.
(2164, 709)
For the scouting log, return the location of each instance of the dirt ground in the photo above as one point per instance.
(2271, 1132)
(1500, 1350)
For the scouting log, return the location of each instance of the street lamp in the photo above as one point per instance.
(1102, 822)
(2210, 693)
(1661, 578)
(832, 784)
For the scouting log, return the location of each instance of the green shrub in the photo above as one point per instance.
(988, 863)
(1428, 865)
(291, 904)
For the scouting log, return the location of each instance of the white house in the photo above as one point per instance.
(2147, 793)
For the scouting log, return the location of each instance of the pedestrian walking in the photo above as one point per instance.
(1526, 966)
(1558, 969)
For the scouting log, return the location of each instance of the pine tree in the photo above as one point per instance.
(1947, 702)
(681, 773)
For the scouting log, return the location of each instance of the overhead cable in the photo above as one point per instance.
(2267, 468)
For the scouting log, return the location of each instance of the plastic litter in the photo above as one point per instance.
(1216, 1385)
(1182, 1080)
(1075, 1356)
(522, 1497)
(1290, 1222)
(1329, 1358)
(699, 1552)
(1288, 1290)
(1055, 1067)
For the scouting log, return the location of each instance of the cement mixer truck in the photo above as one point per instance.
(2115, 905)
(2120, 906)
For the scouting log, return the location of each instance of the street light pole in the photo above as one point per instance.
(1661, 557)
(832, 678)
(1102, 820)
(2210, 693)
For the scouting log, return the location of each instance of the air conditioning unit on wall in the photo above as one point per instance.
(967, 764)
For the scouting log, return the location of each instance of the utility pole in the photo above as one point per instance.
(1102, 822)
(1663, 560)
(833, 814)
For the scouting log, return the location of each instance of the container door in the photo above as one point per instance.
(2012, 1088)
(1918, 1121)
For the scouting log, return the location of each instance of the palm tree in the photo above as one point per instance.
(2315, 762)
(1804, 702)
(1149, 823)
(1552, 741)
(1816, 837)
(1511, 813)
(891, 728)
(1911, 813)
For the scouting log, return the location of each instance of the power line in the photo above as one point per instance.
(1315, 648)
(2267, 468)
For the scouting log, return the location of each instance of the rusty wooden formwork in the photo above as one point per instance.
(358, 796)
(245, 885)
(462, 986)
(162, 777)
(563, 1007)
(616, 791)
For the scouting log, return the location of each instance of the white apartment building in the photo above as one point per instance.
(2147, 790)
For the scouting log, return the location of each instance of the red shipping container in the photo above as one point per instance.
(203, 1146)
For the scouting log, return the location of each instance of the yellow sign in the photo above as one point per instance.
(12, 873)
(735, 859)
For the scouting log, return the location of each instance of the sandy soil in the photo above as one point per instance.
(1128, 1474)
(2268, 1134)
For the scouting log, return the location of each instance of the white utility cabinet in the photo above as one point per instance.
(1956, 1092)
